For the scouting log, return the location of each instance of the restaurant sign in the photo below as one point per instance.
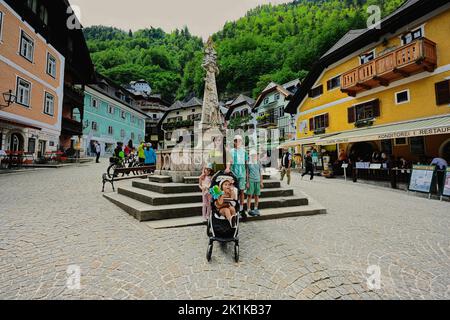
(386, 136)
(414, 133)
(422, 178)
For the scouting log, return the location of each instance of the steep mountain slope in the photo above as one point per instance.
(271, 43)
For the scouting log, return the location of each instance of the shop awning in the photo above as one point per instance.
(304, 141)
(416, 128)
(18, 123)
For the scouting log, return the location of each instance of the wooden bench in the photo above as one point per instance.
(134, 170)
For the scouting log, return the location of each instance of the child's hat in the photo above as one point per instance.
(209, 166)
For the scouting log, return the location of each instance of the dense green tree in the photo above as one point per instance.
(270, 43)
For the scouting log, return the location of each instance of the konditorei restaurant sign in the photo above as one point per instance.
(384, 136)
(414, 133)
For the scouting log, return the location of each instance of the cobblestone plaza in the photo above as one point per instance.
(55, 220)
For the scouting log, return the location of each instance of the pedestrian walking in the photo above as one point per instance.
(98, 151)
(309, 165)
(286, 165)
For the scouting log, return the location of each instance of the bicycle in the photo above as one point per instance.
(115, 163)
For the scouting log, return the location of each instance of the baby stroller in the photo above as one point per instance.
(219, 228)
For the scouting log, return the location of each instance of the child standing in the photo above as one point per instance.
(255, 183)
(204, 184)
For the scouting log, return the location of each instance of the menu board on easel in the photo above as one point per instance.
(422, 178)
(446, 189)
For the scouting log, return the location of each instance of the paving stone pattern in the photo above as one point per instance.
(55, 218)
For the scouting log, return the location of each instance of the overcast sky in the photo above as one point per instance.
(203, 17)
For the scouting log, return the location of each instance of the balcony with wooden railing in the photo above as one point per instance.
(415, 57)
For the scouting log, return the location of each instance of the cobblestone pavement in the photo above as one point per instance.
(53, 219)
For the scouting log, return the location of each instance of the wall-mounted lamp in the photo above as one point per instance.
(9, 98)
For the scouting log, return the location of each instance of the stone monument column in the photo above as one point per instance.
(211, 117)
(211, 127)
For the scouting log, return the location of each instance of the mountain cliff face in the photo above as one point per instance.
(270, 43)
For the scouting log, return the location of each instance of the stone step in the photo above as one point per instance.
(267, 214)
(145, 212)
(160, 179)
(173, 188)
(191, 180)
(194, 180)
(158, 199)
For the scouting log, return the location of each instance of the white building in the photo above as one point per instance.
(139, 87)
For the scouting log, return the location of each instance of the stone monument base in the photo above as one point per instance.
(178, 176)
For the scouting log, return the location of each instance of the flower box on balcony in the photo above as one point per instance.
(319, 131)
(364, 123)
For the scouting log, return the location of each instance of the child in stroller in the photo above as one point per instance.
(223, 223)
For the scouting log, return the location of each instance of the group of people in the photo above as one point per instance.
(287, 161)
(145, 152)
(248, 171)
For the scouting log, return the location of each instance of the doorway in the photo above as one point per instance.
(362, 151)
(42, 146)
(445, 151)
(16, 142)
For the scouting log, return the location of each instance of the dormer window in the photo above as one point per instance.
(367, 57)
(413, 35)
(316, 92)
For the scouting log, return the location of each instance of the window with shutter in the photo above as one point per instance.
(327, 120)
(442, 92)
(351, 114)
(311, 124)
(315, 92)
(376, 108)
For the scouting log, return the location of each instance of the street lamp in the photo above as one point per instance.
(9, 98)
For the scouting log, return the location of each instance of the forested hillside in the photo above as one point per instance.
(271, 43)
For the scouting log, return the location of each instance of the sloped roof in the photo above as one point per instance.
(177, 105)
(348, 37)
(242, 99)
(194, 102)
(239, 101)
(272, 87)
(353, 34)
(291, 84)
(354, 40)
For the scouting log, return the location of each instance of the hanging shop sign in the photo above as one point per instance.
(422, 178)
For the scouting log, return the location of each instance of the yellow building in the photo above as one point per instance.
(382, 90)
